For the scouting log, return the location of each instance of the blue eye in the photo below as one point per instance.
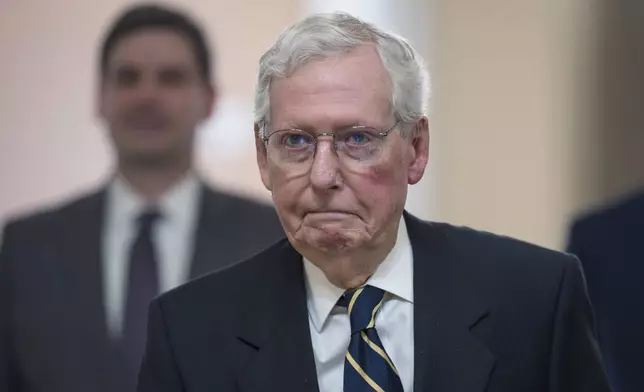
(294, 140)
(358, 138)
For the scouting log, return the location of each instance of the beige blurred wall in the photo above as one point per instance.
(51, 144)
(620, 102)
(513, 104)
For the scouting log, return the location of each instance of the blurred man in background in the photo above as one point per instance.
(610, 245)
(76, 280)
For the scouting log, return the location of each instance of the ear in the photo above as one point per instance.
(262, 158)
(420, 151)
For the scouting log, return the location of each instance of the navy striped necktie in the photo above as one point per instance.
(367, 367)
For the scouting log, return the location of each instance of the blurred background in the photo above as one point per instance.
(536, 109)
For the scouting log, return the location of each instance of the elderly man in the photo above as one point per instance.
(363, 296)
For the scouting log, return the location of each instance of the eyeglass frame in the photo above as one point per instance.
(315, 135)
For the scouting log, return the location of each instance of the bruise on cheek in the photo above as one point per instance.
(380, 174)
(384, 184)
(388, 170)
(374, 185)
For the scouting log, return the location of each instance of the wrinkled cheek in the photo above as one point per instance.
(287, 192)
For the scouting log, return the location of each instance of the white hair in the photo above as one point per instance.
(324, 35)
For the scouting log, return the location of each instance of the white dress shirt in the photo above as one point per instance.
(331, 329)
(173, 236)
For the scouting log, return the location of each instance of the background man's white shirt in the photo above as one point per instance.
(173, 237)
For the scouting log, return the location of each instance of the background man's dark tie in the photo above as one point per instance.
(142, 288)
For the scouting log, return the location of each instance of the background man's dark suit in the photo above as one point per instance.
(52, 318)
(491, 314)
(610, 245)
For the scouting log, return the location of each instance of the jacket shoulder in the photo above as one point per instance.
(238, 203)
(509, 273)
(498, 265)
(47, 218)
(228, 290)
(247, 273)
(481, 249)
(613, 215)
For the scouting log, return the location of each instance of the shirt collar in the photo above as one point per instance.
(394, 275)
(175, 204)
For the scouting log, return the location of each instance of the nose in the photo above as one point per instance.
(147, 89)
(325, 169)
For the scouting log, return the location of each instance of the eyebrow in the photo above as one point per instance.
(163, 67)
(311, 129)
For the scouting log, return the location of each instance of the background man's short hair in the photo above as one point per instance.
(151, 16)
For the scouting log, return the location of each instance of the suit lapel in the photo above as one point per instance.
(206, 235)
(80, 251)
(276, 330)
(448, 356)
(212, 242)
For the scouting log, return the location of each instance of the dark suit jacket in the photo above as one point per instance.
(490, 313)
(610, 245)
(53, 334)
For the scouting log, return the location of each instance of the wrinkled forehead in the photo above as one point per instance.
(346, 87)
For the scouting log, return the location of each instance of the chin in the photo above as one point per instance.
(150, 154)
(329, 241)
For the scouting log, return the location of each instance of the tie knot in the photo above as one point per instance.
(362, 306)
(147, 219)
